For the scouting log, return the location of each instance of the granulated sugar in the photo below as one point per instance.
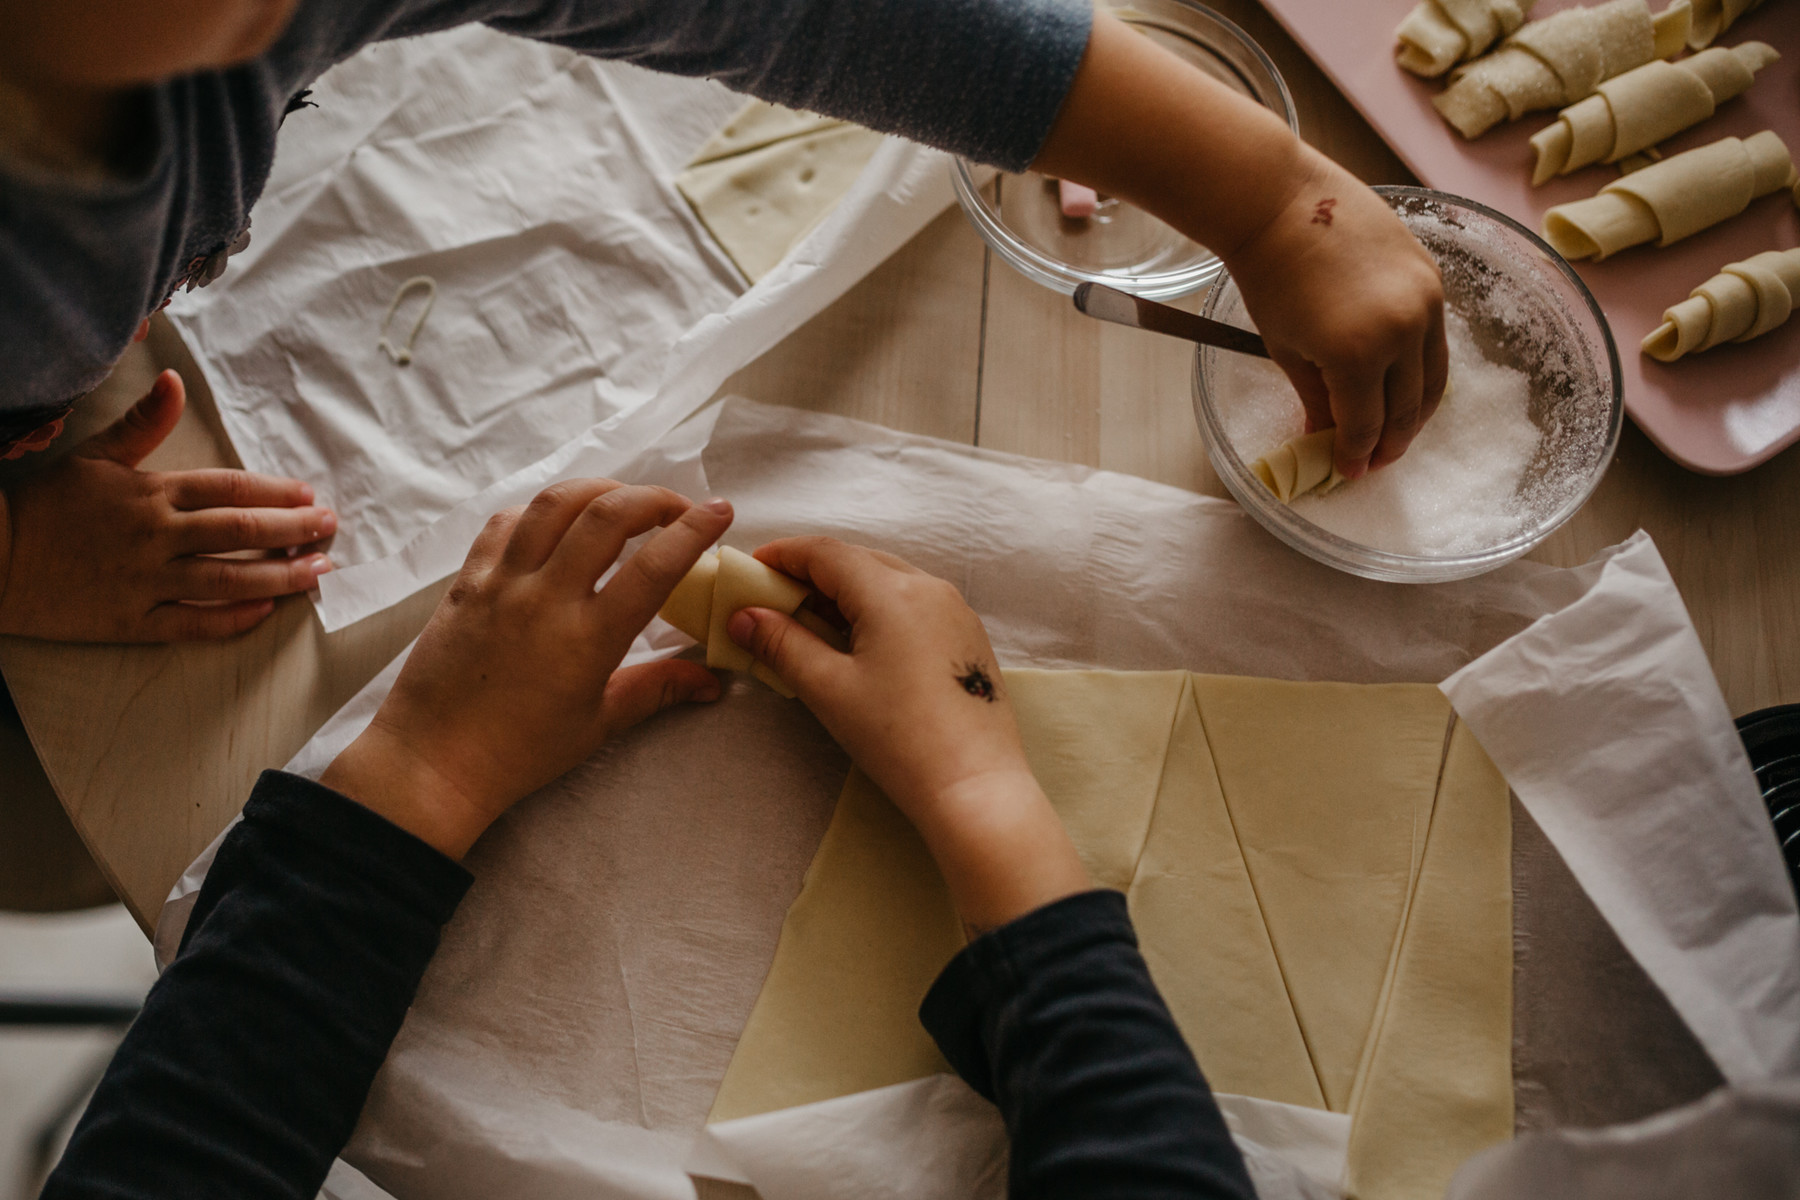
(1454, 491)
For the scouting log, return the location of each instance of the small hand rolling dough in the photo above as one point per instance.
(1744, 300)
(1558, 61)
(762, 183)
(1713, 17)
(1319, 874)
(1678, 196)
(1301, 466)
(1636, 110)
(1438, 34)
(722, 584)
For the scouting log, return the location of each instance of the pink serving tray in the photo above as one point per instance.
(1720, 412)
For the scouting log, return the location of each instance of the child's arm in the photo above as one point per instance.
(1050, 1010)
(1350, 303)
(251, 1061)
(95, 550)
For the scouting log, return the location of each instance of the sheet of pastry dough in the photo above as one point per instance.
(1438, 34)
(1744, 300)
(758, 124)
(761, 202)
(1300, 466)
(1644, 106)
(1669, 200)
(1448, 1002)
(1713, 17)
(1285, 876)
(1558, 61)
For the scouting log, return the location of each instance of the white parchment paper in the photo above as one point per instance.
(576, 293)
(1608, 723)
(571, 1033)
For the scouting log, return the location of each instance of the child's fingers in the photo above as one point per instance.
(218, 487)
(491, 542)
(839, 571)
(634, 693)
(1437, 363)
(131, 438)
(643, 584)
(798, 655)
(1315, 397)
(223, 530)
(1359, 410)
(542, 525)
(246, 578)
(1405, 404)
(599, 532)
(204, 622)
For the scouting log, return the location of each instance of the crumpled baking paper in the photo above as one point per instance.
(1608, 723)
(572, 1030)
(582, 311)
(935, 1137)
(1741, 1142)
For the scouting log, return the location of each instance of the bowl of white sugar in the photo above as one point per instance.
(1526, 429)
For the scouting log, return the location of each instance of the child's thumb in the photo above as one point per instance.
(782, 644)
(130, 439)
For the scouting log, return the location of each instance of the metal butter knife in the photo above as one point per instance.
(1110, 304)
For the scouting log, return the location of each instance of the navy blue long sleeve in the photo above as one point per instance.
(1054, 1017)
(253, 1057)
(250, 1063)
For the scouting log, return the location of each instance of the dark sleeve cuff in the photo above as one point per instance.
(292, 817)
(992, 968)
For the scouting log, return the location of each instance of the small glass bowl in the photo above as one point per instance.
(1528, 310)
(1121, 246)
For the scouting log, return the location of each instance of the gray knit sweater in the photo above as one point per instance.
(82, 264)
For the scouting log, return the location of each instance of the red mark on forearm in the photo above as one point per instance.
(1322, 210)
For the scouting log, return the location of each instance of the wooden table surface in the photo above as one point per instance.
(153, 749)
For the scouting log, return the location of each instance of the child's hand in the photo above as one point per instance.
(920, 705)
(1349, 302)
(95, 550)
(515, 680)
(1352, 308)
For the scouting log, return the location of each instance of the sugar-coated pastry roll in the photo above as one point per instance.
(1300, 466)
(1438, 34)
(1559, 60)
(1632, 112)
(1669, 200)
(1713, 17)
(1744, 300)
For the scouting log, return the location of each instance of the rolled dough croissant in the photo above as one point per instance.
(1301, 466)
(1560, 60)
(1438, 34)
(1744, 300)
(720, 585)
(1645, 105)
(1713, 17)
(1667, 201)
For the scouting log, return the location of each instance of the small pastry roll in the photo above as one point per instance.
(1713, 17)
(1669, 200)
(1438, 34)
(1558, 61)
(1745, 300)
(719, 586)
(1632, 112)
(1300, 466)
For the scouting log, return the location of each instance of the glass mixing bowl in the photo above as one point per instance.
(1121, 246)
(1526, 309)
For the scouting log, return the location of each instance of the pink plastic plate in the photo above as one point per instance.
(1720, 412)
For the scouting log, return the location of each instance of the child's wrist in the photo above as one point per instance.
(383, 774)
(1002, 849)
